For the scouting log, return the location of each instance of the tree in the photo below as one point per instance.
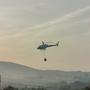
(10, 88)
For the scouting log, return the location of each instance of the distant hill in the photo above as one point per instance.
(15, 73)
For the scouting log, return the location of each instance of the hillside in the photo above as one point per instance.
(15, 73)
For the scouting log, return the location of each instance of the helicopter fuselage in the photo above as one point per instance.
(43, 47)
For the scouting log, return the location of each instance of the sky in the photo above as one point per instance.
(24, 24)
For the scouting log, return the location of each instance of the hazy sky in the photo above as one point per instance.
(25, 23)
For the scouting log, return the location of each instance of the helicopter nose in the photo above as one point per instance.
(38, 47)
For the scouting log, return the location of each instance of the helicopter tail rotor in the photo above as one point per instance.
(57, 44)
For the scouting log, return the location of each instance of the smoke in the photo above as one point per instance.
(38, 29)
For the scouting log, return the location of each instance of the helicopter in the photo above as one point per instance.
(44, 46)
